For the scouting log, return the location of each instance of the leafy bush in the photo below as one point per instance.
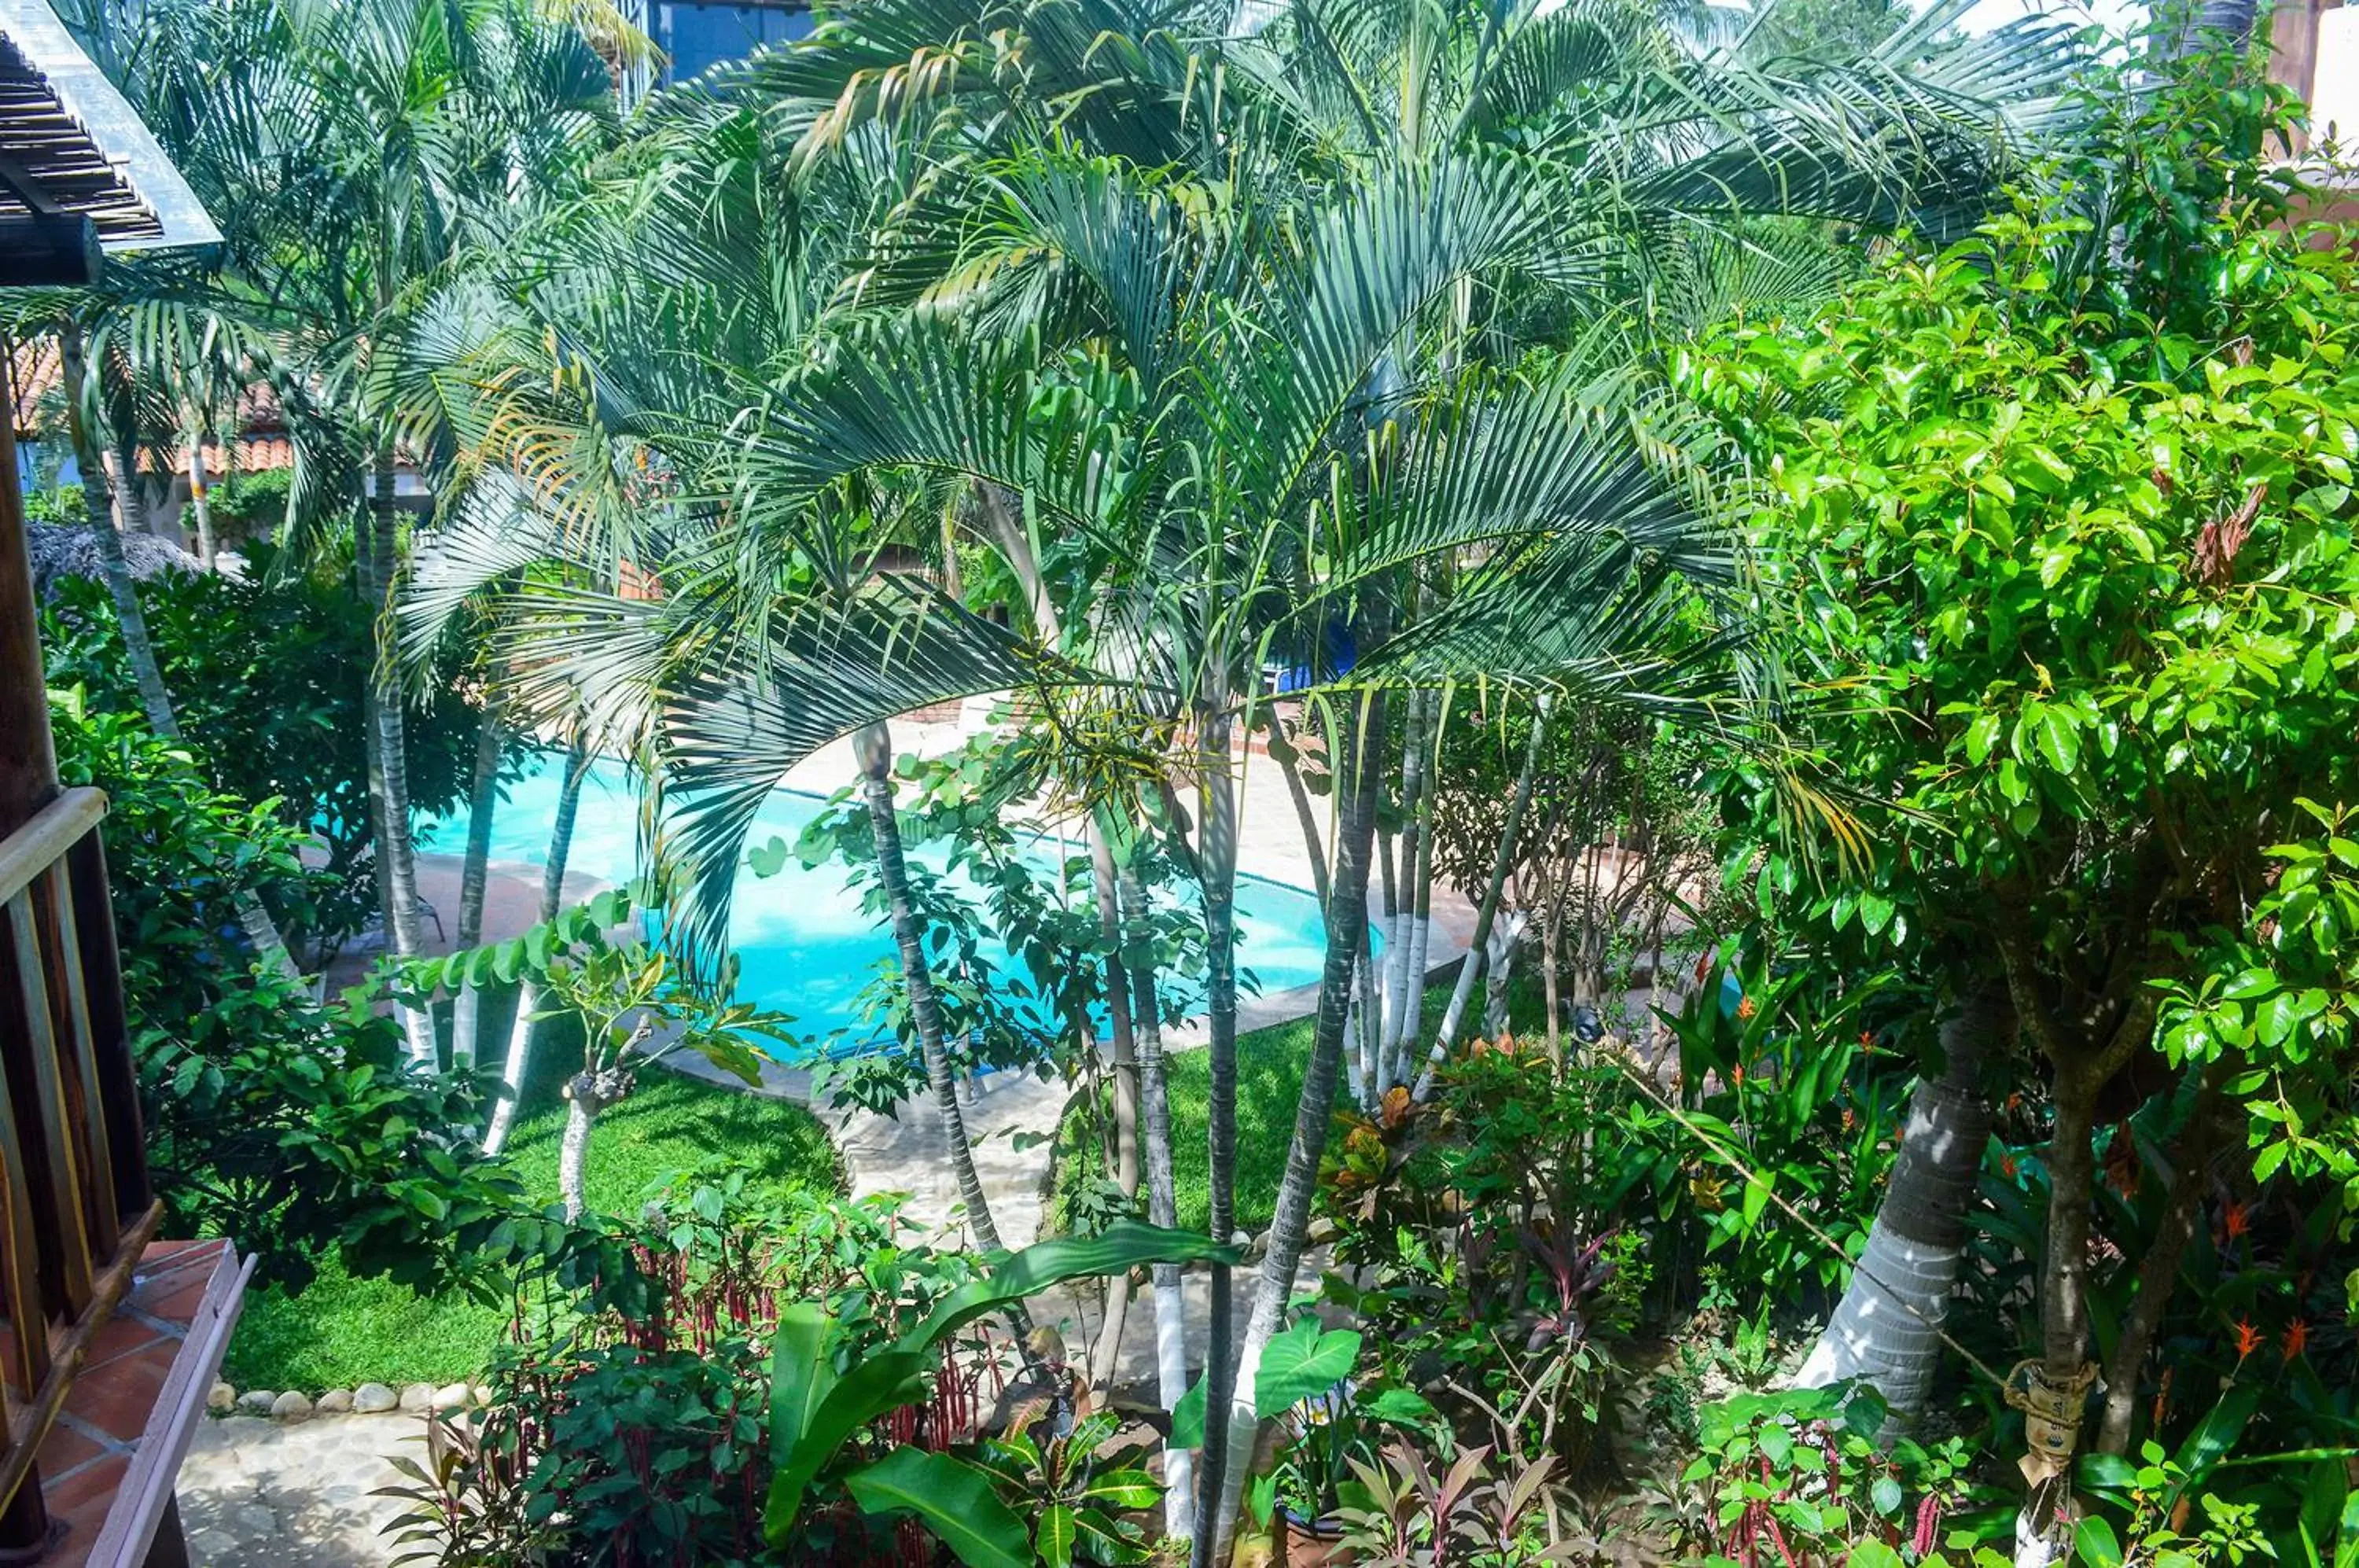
(291, 1126)
(266, 675)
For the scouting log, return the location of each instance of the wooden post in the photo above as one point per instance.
(29, 780)
(29, 767)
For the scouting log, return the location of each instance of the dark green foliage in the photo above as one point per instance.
(288, 1126)
(266, 676)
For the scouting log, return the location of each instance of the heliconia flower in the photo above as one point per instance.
(1736, 1076)
(2239, 1220)
(2248, 1338)
(2297, 1338)
(1867, 1040)
(1849, 1120)
(1745, 1008)
(2008, 1166)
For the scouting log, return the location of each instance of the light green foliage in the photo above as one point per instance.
(1074, 1491)
(2073, 604)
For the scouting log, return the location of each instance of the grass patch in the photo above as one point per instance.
(1270, 1063)
(341, 1331)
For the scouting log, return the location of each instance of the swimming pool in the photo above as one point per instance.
(804, 945)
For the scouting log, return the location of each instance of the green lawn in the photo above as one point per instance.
(341, 1331)
(1269, 1085)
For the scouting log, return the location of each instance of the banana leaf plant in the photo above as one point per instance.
(817, 1410)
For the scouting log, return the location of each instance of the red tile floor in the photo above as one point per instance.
(83, 1459)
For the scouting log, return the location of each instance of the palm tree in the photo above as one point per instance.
(1230, 419)
(350, 151)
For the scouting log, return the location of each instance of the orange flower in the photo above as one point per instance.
(2248, 1339)
(2239, 1220)
(1736, 1075)
(2297, 1338)
(1849, 1120)
(1744, 1008)
(1867, 1040)
(2008, 1166)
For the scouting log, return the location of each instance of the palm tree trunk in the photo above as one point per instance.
(1217, 861)
(1404, 902)
(1420, 930)
(1106, 1362)
(110, 518)
(1162, 1209)
(482, 799)
(552, 900)
(873, 746)
(201, 501)
(388, 749)
(1314, 1114)
(1887, 1328)
(1470, 968)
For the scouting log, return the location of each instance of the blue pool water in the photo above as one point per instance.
(803, 943)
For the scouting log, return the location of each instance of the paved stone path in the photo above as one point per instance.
(255, 1493)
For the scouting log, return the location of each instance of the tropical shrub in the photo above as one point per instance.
(265, 673)
(287, 1124)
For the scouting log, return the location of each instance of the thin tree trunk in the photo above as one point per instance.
(1162, 1209)
(2043, 1528)
(1469, 969)
(1314, 848)
(873, 745)
(1887, 1328)
(552, 900)
(2158, 1271)
(1498, 965)
(201, 502)
(1397, 985)
(482, 799)
(1107, 1360)
(1218, 862)
(389, 750)
(574, 1155)
(1314, 1114)
(1551, 936)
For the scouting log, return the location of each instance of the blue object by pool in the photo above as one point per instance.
(803, 944)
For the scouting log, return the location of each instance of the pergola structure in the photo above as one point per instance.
(111, 1338)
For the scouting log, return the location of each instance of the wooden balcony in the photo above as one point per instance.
(110, 1339)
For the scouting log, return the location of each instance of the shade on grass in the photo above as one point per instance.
(341, 1332)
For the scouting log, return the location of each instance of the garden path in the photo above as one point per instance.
(259, 1494)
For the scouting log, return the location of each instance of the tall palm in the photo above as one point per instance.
(351, 150)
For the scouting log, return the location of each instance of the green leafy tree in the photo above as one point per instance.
(2060, 550)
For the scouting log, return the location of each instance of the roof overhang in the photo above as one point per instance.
(79, 172)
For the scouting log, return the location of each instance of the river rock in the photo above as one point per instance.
(222, 1397)
(335, 1403)
(374, 1399)
(418, 1398)
(257, 1402)
(450, 1396)
(290, 1406)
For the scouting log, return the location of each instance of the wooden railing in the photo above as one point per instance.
(75, 1206)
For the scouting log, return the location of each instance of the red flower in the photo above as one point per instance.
(2248, 1339)
(2239, 1220)
(1736, 1075)
(1746, 1009)
(2007, 1167)
(2297, 1338)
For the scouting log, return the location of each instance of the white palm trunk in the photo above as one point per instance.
(552, 898)
(1162, 1209)
(1887, 1330)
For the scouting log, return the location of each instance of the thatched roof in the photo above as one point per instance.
(71, 550)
